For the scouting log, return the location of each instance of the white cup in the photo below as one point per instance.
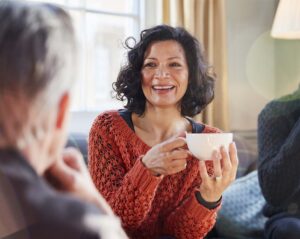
(202, 145)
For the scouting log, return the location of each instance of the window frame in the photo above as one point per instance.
(146, 15)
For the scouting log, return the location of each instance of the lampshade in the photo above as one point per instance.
(287, 20)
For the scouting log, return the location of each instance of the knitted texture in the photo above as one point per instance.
(241, 214)
(148, 206)
(279, 155)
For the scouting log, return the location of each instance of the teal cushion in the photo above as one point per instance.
(241, 214)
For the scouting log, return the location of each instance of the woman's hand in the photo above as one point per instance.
(70, 174)
(168, 157)
(225, 168)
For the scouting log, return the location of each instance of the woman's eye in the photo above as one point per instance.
(175, 64)
(150, 64)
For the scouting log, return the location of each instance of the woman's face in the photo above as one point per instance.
(164, 74)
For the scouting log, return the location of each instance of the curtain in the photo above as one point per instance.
(205, 19)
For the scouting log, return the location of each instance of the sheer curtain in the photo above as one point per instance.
(205, 19)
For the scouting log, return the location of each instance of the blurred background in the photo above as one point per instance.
(252, 67)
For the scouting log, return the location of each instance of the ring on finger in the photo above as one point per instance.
(218, 178)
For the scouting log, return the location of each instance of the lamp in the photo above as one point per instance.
(286, 24)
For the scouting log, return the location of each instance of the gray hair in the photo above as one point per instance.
(37, 53)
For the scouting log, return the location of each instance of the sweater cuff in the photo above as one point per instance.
(193, 207)
(142, 178)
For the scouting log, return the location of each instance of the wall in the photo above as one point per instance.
(287, 71)
(251, 61)
(260, 68)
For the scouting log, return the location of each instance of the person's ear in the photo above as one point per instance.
(63, 110)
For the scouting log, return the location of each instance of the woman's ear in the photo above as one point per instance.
(63, 110)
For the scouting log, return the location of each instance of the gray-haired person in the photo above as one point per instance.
(37, 69)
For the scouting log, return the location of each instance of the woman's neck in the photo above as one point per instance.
(158, 124)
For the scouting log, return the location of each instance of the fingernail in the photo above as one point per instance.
(214, 153)
(218, 155)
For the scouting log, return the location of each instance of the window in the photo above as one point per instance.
(101, 27)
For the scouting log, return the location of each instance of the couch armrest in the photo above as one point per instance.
(79, 141)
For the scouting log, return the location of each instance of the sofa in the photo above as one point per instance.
(241, 214)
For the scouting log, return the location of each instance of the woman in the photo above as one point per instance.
(37, 49)
(138, 156)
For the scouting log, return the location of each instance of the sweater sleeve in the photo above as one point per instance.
(279, 154)
(129, 193)
(190, 219)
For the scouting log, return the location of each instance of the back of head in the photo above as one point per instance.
(36, 55)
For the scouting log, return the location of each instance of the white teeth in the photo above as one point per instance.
(167, 87)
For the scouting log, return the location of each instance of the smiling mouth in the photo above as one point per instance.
(163, 88)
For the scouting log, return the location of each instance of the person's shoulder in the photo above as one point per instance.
(107, 115)
(282, 105)
(276, 109)
(207, 128)
(105, 120)
(65, 212)
(44, 211)
(68, 215)
(75, 217)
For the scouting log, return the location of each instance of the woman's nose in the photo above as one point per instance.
(162, 72)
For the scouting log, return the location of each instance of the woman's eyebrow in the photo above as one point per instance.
(174, 57)
(150, 58)
(170, 58)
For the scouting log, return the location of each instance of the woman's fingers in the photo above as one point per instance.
(170, 165)
(217, 164)
(203, 171)
(166, 158)
(172, 144)
(160, 159)
(177, 154)
(234, 159)
(225, 170)
(179, 164)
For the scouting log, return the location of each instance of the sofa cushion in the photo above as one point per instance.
(247, 153)
(79, 141)
(241, 214)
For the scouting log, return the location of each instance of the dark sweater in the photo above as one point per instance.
(279, 154)
(31, 208)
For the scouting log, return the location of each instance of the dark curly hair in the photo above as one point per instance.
(200, 90)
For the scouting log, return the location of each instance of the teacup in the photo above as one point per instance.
(202, 145)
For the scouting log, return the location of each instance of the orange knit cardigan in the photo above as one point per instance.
(148, 206)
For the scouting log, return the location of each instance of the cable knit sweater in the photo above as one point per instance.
(148, 206)
(279, 154)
